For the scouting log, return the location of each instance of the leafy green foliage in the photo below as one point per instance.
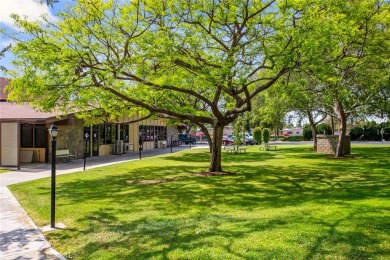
(307, 133)
(266, 135)
(198, 61)
(238, 131)
(324, 129)
(372, 131)
(257, 135)
(356, 133)
(295, 138)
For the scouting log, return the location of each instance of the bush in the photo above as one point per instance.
(257, 135)
(266, 135)
(324, 127)
(294, 138)
(386, 131)
(356, 133)
(372, 132)
(307, 133)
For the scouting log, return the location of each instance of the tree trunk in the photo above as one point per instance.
(313, 128)
(342, 130)
(207, 134)
(216, 154)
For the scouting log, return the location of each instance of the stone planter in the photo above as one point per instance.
(327, 144)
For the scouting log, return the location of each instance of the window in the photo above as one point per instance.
(124, 133)
(33, 136)
(108, 133)
(40, 136)
(26, 136)
(151, 132)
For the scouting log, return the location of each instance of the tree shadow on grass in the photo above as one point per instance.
(319, 210)
(200, 234)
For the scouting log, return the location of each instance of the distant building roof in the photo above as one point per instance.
(10, 111)
(3, 83)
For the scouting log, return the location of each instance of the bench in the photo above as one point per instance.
(63, 156)
(267, 147)
(229, 148)
(242, 149)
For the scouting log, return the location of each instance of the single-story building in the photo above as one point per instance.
(24, 134)
(292, 131)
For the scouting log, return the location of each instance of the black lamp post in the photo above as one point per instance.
(85, 150)
(140, 147)
(54, 133)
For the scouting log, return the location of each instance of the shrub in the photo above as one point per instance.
(356, 133)
(386, 131)
(307, 134)
(257, 135)
(295, 138)
(372, 132)
(324, 127)
(266, 135)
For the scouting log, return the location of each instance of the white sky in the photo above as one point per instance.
(28, 8)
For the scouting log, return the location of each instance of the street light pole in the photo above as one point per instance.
(85, 150)
(54, 133)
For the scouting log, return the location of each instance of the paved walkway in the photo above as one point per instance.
(20, 238)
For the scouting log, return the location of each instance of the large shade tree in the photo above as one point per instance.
(199, 61)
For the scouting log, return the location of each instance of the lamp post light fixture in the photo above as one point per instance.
(53, 130)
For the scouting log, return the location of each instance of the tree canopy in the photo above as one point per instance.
(200, 61)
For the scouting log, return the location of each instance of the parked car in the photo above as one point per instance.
(227, 140)
(184, 138)
(249, 139)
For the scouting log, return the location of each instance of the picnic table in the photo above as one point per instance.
(235, 148)
(267, 147)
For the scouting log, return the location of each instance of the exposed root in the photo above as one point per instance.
(345, 157)
(206, 174)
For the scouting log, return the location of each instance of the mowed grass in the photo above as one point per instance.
(3, 171)
(285, 204)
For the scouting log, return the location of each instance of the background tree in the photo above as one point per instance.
(238, 131)
(353, 63)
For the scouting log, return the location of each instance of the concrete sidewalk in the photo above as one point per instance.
(20, 238)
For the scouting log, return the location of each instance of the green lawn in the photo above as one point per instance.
(3, 170)
(285, 204)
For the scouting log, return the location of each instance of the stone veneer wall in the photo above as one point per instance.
(70, 137)
(327, 144)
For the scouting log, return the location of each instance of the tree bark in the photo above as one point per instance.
(216, 154)
(207, 134)
(313, 127)
(339, 109)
